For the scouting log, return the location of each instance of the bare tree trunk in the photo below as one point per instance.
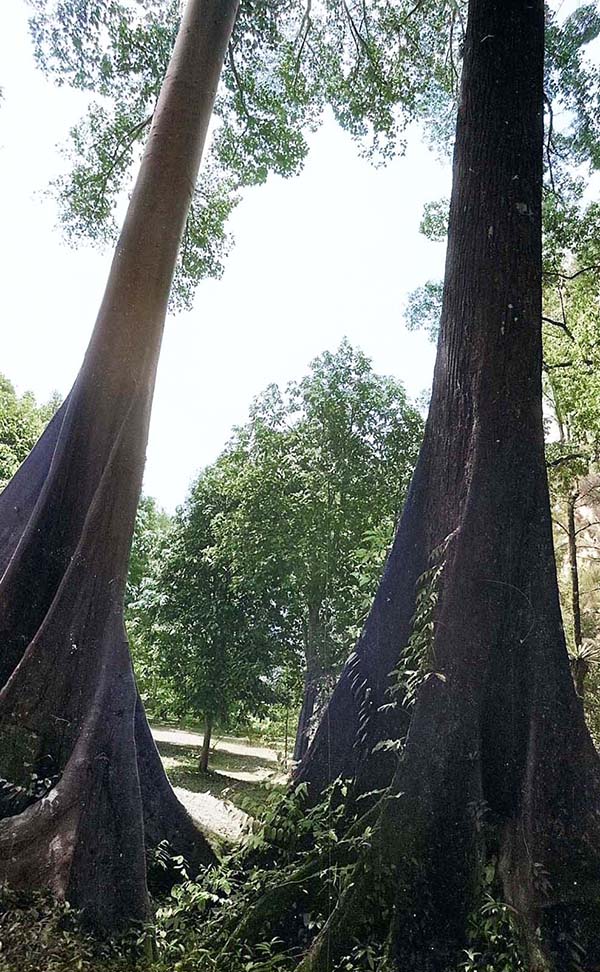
(579, 665)
(204, 755)
(312, 679)
(66, 521)
(574, 571)
(496, 728)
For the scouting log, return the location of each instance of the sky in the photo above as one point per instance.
(331, 253)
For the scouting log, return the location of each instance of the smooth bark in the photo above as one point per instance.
(313, 675)
(579, 664)
(205, 754)
(68, 705)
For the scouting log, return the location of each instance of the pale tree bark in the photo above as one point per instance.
(580, 664)
(68, 705)
(313, 675)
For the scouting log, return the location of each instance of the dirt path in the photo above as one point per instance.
(226, 744)
(237, 766)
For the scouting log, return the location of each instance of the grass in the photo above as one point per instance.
(37, 934)
(246, 780)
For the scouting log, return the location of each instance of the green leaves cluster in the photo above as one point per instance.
(376, 66)
(203, 645)
(22, 421)
(319, 476)
(271, 564)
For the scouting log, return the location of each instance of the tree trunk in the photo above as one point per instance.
(69, 703)
(312, 679)
(496, 732)
(575, 602)
(204, 755)
(579, 664)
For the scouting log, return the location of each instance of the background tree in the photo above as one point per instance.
(149, 543)
(22, 421)
(291, 525)
(314, 473)
(213, 641)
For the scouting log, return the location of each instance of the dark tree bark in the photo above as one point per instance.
(69, 708)
(204, 755)
(497, 729)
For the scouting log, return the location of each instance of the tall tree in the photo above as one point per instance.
(319, 467)
(494, 723)
(68, 703)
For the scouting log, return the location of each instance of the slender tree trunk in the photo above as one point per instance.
(496, 728)
(574, 571)
(204, 755)
(579, 665)
(313, 674)
(66, 520)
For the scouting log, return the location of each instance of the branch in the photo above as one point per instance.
(562, 324)
(568, 364)
(238, 82)
(304, 31)
(571, 276)
(573, 455)
(131, 135)
(360, 41)
(549, 142)
(587, 526)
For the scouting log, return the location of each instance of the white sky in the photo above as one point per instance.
(331, 253)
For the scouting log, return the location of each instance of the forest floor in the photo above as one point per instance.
(241, 780)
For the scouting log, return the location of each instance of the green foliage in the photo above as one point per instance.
(376, 67)
(495, 941)
(317, 479)
(150, 535)
(424, 308)
(22, 421)
(418, 660)
(273, 561)
(434, 222)
(211, 640)
(573, 84)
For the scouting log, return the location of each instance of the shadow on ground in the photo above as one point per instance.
(250, 795)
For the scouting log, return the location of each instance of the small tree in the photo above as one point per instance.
(213, 639)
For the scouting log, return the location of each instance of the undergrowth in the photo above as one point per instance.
(265, 903)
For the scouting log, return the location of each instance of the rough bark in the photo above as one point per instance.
(496, 732)
(68, 706)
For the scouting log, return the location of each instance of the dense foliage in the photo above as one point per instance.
(272, 561)
(22, 421)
